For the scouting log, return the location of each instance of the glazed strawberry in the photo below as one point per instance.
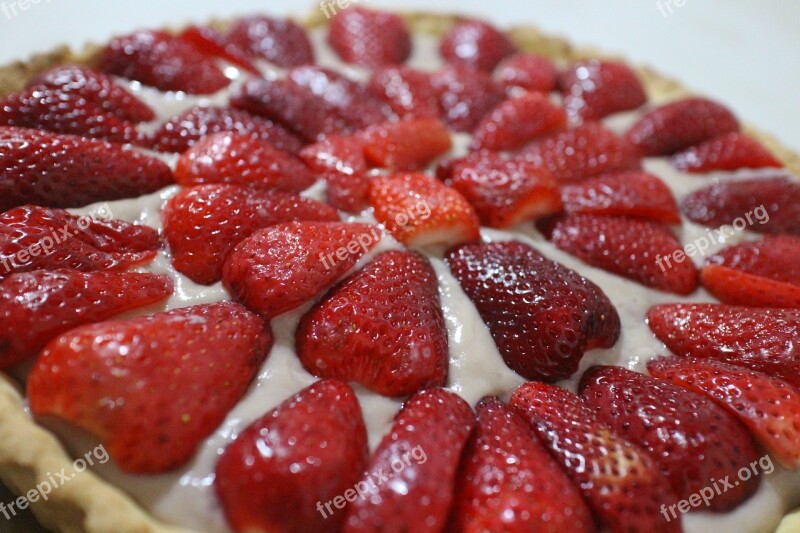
(340, 161)
(408, 92)
(202, 224)
(731, 151)
(769, 407)
(286, 265)
(55, 170)
(66, 299)
(620, 481)
(279, 41)
(419, 210)
(382, 327)
(237, 159)
(348, 192)
(679, 125)
(312, 448)
(692, 439)
(634, 194)
(369, 38)
(766, 340)
(163, 61)
(465, 96)
(517, 121)
(476, 44)
(427, 438)
(542, 316)
(594, 89)
(509, 482)
(407, 145)
(94, 377)
(528, 71)
(211, 43)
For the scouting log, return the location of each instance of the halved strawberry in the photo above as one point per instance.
(427, 438)
(594, 89)
(369, 38)
(531, 72)
(382, 327)
(465, 96)
(340, 161)
(517, 121)
(476, 44)
(406, 145)
(211, 43)
(279, 41)
(542, 316)
(731, 151)
(348, 192)
(408, 92)
(302, 455)
(149, 387)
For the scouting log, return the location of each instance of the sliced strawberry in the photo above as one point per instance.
(312, 449)
(419, 210)
(732, 151)
(476, 44)
(517, 121)
(420, 492)
(542, 316)
(408, 92)
(55, 170)
(211, 43)
(279, 41)
(65, 299)
(594, 89)
(149, 387)
(407, 145)
(340, 161)
(369, 38)
(348, 192)
(202, 224)
(465, 96)
(529, 71)
(509, 482)
(382, 327)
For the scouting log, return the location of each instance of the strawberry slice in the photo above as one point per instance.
(369, 38)
(542, 316)
(381, 327)
(517, 121)
(465, 96)
(594, 89)
(55, 170)
(340, 161)
(676, 427)
(633, 249)
(679, 125)
(769, 407)
(408, 145)
(620, 481)
(94, 377)
(419, 210)
(732, 151)
(509, 482)
(408, 92)
(202, 224)
(347, 192)
(28, 324)
(420, 492)
(210, 43)
(282, 42)
(237, 159)
(476, 44)
(531, 72)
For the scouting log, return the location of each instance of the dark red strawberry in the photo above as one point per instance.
(517, 121)
(369, 38)
(542, 316)
(36, 307)
(509, 482)
(211, 43)
(149, 387)
(408, 92)
(312, 448)
(528, 71)
(406, 145)
(382, 327)
(465, 96)
(594, 89)
(731, 151)
(348, 192)
(279, 41)
(340, 161)
(55, 170)
(476, 44)
(420, 457)
(202, 224)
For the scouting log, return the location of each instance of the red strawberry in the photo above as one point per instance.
(369, 38)
(65, 299)
(594, 89)
(237, 159)
(419, 210)
(202, 224)
(622, 484)
(476, 44)
(517, 121)
(340, 161)
(768, 406)
(408, 92)
(731, 151)
(279, 41)
(312, 449)
(348, 192)
(381, 327)
(54, 170)
(679, 125)
(158, 59)
(509, 482)
(419, 456)
(634, 249)
(465, 96)
(210, 43)
(94, 377)
(284, 266)
(542, 316)
(691, 438)
(407, 145)
(529, 71)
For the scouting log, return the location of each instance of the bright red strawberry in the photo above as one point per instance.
(594, 89)
(427, 438)
(476, 44)
(237, 159)
(202, 224)
(634, 249)
(211, 43)
(731, 151)
(528, 71)
(679, 125)
(55, 170)
(36, 307)
(382, 327)
(677, 428)
(517, 121)
(279, 41)
(508, 481)
(369, 38)
(408, 92)
(542, 316)
(769, 407)
(163, 61)
(340, 161)
(407, 145)
(312, 448)
(465, 96)
(419, 210)
(94, 377)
